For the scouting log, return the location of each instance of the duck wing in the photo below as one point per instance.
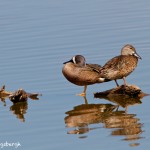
(94, 67)
(119, 67)
(112, 67)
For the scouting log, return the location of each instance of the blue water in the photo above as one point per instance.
(36, 37)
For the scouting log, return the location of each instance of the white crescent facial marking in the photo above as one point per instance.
(74, 61)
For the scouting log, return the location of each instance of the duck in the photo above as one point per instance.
(121, 66)
(78, 72)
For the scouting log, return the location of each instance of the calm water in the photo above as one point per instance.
(36, 37)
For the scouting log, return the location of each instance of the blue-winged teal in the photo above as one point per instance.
(121, 66)
(79, 73)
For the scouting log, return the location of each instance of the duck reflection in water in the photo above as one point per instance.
(121, 123)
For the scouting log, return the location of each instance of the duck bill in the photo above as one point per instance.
(67, 61)
(137, 55)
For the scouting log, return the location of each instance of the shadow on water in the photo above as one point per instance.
(123, 96)
(122, 123)
(19, 110)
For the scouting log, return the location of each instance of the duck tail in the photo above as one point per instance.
(103, 79)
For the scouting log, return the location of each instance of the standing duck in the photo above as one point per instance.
(79, 73)
(121, 66)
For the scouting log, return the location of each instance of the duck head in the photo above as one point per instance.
(130, 50)
(78, 60)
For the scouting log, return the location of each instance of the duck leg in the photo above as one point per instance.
(116, 83)
(84, 91)
(85, 100)
(124, 79)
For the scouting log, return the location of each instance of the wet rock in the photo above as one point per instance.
(18, 96)
(128, 90)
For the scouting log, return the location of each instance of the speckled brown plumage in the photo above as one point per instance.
(121, 66)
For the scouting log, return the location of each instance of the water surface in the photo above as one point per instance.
(36, 37)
